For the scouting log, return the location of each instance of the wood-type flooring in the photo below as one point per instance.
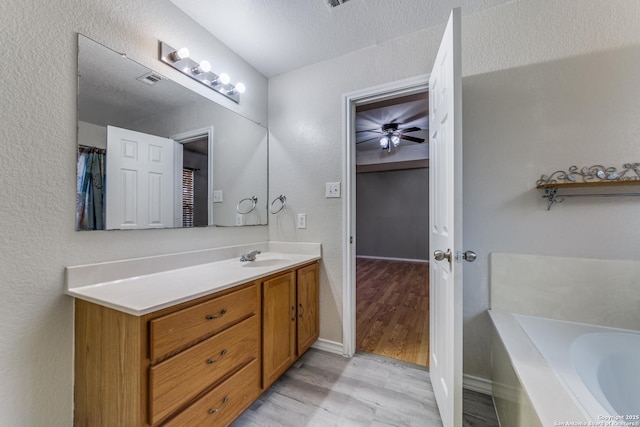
(392, 309)
(327, 390)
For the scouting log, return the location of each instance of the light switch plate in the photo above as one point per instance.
(332, 190)
(217, 196)
(302, 220)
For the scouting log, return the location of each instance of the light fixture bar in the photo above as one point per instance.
(198, 71)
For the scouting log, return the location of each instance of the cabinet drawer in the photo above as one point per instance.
(223, 404)
(173, 331)
(179, 379)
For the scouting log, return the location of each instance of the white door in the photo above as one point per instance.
(445, 219)
(140, 180)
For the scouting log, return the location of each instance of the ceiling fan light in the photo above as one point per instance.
(384, 142)
(395, 139)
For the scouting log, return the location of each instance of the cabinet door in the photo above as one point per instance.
(308, 307)
(279, 322)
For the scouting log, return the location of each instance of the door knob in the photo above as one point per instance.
(440, 255)
(469, 256)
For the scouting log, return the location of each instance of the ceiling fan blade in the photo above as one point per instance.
(377, 130)
(411, 129)
(412, 138)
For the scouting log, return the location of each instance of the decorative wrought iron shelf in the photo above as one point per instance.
(589, 177)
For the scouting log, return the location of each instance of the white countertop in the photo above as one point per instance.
(141, 290)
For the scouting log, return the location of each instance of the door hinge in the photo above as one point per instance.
(351, 239)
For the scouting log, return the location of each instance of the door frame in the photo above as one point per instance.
(184, 138)
(350, 101)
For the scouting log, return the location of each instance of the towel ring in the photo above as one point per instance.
(253, 201)
(283, 201)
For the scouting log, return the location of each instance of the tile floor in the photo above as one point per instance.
(327, 390)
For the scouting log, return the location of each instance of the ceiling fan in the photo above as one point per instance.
(392, 134)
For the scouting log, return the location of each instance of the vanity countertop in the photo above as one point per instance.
(140, 290)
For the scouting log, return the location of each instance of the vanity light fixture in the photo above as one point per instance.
(223, 78)
(238, 88)
(203, 67)
(200, 71)
(179, 54)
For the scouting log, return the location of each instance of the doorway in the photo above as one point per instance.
(392, 220)
(194, 178)
(386, 268)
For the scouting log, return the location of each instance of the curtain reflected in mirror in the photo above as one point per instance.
(90, 188)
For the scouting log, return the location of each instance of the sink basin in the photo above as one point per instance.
(270, 262)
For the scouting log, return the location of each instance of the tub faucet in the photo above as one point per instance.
(251, 256)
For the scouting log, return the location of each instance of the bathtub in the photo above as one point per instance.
(551, 372)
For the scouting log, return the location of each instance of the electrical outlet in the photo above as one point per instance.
(217, 196)
(302, 220)
(239, 219)
(332, 189)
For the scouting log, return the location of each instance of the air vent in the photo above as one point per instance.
(336, 3)
(150, 78)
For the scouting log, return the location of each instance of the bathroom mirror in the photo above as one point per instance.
(154, 154)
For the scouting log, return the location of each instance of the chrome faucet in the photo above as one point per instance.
(251, 256)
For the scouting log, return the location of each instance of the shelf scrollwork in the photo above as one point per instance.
(588, 176)
(596, 173)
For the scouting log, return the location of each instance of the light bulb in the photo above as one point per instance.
(203, 67)
(395, 139)
(224, 78)
(179, 54)
(240, 87)
(384, 142)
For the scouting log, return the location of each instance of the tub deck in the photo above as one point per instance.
(539, 392)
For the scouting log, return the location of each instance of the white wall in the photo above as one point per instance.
(92, 135)
(547, 84)
(37, 173)
(586, 290)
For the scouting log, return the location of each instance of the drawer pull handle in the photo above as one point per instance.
(301, 310)
(217, 316)
(223, 353)
(293, 313)
(224, 403)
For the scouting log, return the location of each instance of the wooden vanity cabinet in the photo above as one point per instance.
(308, 299)
(290, 306)
(279, 326)
(147, 370)
(202, 362)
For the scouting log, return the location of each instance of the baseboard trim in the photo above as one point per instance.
(480, 385)
(393, 259)
(329, 346)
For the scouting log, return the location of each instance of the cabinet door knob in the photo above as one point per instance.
(216, 316)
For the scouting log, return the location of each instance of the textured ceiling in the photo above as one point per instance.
(277, 36)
